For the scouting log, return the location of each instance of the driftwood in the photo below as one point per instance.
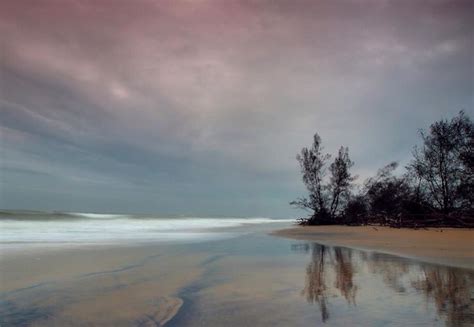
(409, 221)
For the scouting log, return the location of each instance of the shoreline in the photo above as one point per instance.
(253, 278)
(445, 246)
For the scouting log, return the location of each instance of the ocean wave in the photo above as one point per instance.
(99, 228)
(96, 215)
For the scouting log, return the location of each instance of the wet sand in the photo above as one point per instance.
(448, 246)
(105, 286)
(255, 279)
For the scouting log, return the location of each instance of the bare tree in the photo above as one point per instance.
(466, 155)
(444, 163)
(386, 194)
(324, 197)
(341, 179)
(437, 188)
(313, 168)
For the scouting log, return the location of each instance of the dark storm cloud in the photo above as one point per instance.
(199, 107)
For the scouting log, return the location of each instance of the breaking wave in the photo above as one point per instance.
(74, 228)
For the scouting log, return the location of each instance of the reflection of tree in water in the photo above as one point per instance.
(344, 274)
(450, 288)
(316, 288)
(392, 269)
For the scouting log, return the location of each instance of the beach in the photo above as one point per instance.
(229, 273)
(448, 246)
(158, 158)
(106, 286)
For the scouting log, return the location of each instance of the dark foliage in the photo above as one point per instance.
(356, 211)
(436, 190)
(326, 196)
(444, 164)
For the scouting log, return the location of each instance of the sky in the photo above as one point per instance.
(199, 107)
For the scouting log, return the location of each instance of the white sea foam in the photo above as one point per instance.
(89, 228)
(96, 215)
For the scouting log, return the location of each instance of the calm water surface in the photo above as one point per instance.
(253, 279)
(268, 281)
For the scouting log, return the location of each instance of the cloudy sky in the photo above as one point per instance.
(198, 107)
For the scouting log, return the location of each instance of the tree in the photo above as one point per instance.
(324, 197)
(387, 194)
(341, 179)
(437, 188)
(312, 163)
(356, 211)
(444, 163)
(466, 155)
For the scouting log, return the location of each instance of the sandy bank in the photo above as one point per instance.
(454, 247)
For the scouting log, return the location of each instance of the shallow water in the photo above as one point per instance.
(252, 279)
(268, 281)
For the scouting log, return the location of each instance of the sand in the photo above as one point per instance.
(448, 246)
(253, 279)
(86, 286)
